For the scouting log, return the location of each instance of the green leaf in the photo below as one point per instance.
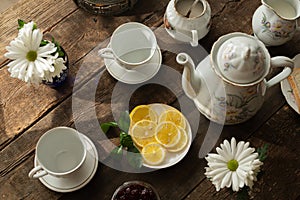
(106, 126)
(124, 121)
(34, 26)
(262, 152)
(59, 50)
(117, 153)
(134, 158)
(21, 24)
(44, 42)
(126, 140)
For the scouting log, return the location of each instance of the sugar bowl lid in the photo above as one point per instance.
(240, 58)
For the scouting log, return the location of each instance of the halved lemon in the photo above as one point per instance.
(182, 142)
(153, 154)
(142, 142)
(174, 116)
(142, 112)
(167, 134)
(143, 129)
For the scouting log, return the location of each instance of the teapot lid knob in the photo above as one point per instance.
(247, 53)
(240, 58)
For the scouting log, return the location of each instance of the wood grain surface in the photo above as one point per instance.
(27, 111)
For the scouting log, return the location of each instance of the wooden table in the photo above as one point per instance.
(26, 112)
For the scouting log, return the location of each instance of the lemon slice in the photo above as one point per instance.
(142, 142)
(182, 142)
(142, 112)
(143, 129)
(167, 134)
(153, 154)
(174, 116)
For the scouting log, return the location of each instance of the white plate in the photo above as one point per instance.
(80, 178)
(171, 157)
(137, 75)
(287, 90)
(288, 94)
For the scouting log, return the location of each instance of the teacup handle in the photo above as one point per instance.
(106, 53)
(280, 61)
(34, 172)
(195, 39)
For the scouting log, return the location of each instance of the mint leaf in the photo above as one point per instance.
(262, 152)
(106, 126)
(126, 140)
(117, 153)
(134, 158)
(124, 121)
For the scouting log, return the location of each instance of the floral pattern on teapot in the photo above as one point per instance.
(238, 106)
(279, 28)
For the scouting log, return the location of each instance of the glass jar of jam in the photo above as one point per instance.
(134, 190)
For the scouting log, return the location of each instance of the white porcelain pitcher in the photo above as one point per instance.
(275, 21)
(229, 85)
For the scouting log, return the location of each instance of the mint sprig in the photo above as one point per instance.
(134, 157)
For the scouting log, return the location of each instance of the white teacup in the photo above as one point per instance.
(59, 152)
(131, 44)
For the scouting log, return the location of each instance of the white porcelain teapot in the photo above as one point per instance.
(229, 85)
(275, 21)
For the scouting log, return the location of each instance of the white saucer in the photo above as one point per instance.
(171, 157)
(137, 75)
(80, 177)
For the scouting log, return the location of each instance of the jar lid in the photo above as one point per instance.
(240, 58)
(106, 7)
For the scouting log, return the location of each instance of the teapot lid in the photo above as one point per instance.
(240, 58)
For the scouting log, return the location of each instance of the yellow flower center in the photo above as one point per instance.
(232, 165)
(31, 56)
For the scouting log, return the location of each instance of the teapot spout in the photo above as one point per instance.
(191, 81)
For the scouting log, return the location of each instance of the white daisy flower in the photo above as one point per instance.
(59, 65)
(233, 165)
(29, 59)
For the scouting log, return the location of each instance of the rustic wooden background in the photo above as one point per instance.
(26, 112)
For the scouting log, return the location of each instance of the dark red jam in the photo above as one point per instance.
(135, 191)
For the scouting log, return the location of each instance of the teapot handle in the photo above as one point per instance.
(280, 61)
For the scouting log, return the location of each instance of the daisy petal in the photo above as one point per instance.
(235, 182)
(226, 180)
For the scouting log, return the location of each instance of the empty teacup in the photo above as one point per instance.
(131, 44)
(59, 152)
